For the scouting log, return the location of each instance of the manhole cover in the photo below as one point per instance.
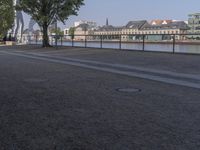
(128, 90)
(35, 80)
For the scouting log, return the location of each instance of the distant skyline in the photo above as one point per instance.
(119, 12)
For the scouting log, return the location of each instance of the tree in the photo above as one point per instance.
(6, 16)
(45, 12)
(71, 32)
(57, 31)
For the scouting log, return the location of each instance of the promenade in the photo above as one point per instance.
(98, 99)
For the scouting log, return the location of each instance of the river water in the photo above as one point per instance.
(179, 48)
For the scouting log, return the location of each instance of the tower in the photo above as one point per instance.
(107, 22)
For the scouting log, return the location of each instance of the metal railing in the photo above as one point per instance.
(173, 43)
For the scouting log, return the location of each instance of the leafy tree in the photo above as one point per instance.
(45, 12)
(6, 16)
(57, 31)
(71, 32)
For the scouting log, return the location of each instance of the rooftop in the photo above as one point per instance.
(171, 25)
(136, 24)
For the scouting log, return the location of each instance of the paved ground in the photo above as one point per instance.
(68, 99)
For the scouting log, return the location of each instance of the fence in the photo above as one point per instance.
(174, 43)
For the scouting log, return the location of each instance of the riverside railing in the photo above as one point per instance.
(173, 43)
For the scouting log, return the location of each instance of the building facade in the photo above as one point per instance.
(194, 24)
(154, 30)
(83, 32)
(108, 32)
(91, 24)
(165, 31)
(132, 28)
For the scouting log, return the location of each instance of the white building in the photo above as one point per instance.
(66, 31)
(91, 24)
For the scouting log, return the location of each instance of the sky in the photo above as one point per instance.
(119, 12)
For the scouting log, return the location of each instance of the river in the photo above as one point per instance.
(179, 48)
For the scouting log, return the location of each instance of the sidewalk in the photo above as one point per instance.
(95, 99)
(183, 70)
(182, 63)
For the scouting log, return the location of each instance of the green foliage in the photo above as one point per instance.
(57, 31)
(45, 12)
(6, 16)
(71, 32)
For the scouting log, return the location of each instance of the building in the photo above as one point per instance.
(108, 32)
(194, 24)
(160, 22)
(91, 24)
(132, 28)
(83, 31)
(165, 31)
(82, 28)
(35, 37)
(135, 29)
(155, 30)
(66, 31)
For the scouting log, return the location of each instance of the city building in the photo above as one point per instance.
(132, 28)
(165, 31)
(91, 24)
(194, 24)
(160, 22)
(108, 31)
(66, 31)
(82, 28)
(83, 31)
(154, 30)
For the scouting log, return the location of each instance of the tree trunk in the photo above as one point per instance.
(45, 42)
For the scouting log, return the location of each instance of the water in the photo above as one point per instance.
(179, 48)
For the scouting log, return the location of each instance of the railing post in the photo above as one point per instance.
(56, 41)
(143, 42)
(101, 42)
(29, 39)
(120, 41)
(85, 41)
(174, 42)
(61, 40)
(36, 39)
(51, 40)
(72, 42)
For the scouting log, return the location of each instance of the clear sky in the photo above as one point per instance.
(119, 12)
